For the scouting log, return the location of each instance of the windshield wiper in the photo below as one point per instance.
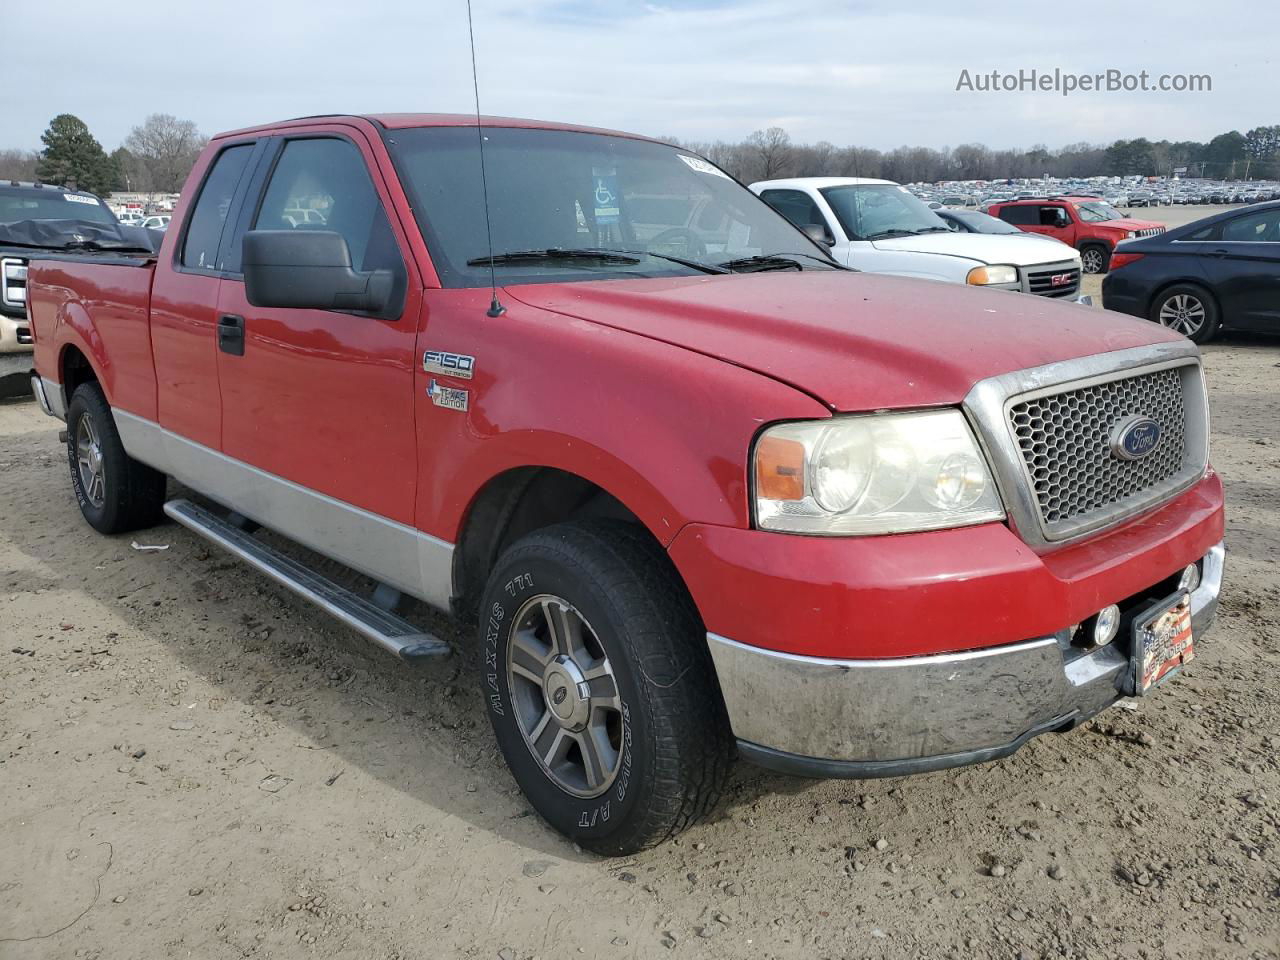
(886, 234)
(552, 253)
(683, 261)
(932, 230)
(761, 262)
(779, 261)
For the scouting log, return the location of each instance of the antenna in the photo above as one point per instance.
(495, 308)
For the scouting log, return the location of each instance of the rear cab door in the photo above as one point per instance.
(184, 295)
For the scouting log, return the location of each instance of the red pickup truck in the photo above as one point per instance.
(1089, 224)
(703, 491)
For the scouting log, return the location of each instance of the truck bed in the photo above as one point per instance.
(97, 304)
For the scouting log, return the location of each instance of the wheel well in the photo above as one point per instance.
(75, 370)
(512, 505)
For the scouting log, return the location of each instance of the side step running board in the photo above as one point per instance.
(384, 628)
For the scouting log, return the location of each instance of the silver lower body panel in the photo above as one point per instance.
(860, 718)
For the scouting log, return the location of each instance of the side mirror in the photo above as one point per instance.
(818, 234)
(310, 269)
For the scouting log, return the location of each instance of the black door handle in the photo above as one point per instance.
(231, 334)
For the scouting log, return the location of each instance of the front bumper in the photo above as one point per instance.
(820, 717)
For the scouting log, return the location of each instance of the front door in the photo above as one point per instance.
(1245, 269)
(323, 399)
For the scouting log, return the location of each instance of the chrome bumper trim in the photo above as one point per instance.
(1204, 598)
(48, 394)
(897, 716)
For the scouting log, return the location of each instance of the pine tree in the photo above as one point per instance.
(72, 156)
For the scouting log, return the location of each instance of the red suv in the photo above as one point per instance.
(1092, 226)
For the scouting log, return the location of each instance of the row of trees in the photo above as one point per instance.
(770, 153)
(156, 156)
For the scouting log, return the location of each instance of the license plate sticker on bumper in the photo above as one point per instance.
(1162, 643)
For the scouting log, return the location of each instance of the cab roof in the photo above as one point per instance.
(404, 121)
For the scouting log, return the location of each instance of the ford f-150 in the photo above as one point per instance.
(702, 490)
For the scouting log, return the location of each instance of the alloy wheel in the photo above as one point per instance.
(1184, 313)
(1091, 260)
(89, 461)
(565, 696)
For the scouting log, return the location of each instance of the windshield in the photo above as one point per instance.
(1097, 212)
(876, 211)
(41, 203)
(982, 223)
(572, 191)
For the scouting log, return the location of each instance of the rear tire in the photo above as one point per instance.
(600, 686)
(116, 493)
(1095, 259)
(1188, 309)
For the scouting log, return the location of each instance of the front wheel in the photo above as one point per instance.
(600, 686)
(1189, 310)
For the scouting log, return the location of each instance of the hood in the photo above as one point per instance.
(855, 341)
(986, 248)
(1128, 223)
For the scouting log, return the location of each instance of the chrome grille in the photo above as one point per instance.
(1065, 442)
(1057, 282)
(1149, 231)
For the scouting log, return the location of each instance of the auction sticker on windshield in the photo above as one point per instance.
(697, 163)
(1162, 642)
(76, 198)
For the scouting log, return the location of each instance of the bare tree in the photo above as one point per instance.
(167, 147)
(18, 164)
(772, 148)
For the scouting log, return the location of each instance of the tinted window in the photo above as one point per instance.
(1054, 217)
(1261, 227)
(323, 184)
(1024, 214)
(566, 189)
(796, 205)
(204, 232)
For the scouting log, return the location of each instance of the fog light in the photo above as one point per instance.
(1190, 578)
(1106, 625)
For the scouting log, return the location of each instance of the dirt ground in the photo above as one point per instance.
(195, 764)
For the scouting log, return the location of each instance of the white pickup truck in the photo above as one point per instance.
(880, 227)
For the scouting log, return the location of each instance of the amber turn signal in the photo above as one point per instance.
(780, 469)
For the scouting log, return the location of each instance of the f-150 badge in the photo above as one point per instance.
(451, 398)
(448, 364)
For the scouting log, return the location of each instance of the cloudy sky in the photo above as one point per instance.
(878, 73)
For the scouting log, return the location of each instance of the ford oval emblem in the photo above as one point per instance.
(1135, 437)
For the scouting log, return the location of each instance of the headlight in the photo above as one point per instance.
(1000, 273)
(1131, 235)
(873, 473)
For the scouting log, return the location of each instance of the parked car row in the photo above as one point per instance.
(701, 489)
(1126, 193)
